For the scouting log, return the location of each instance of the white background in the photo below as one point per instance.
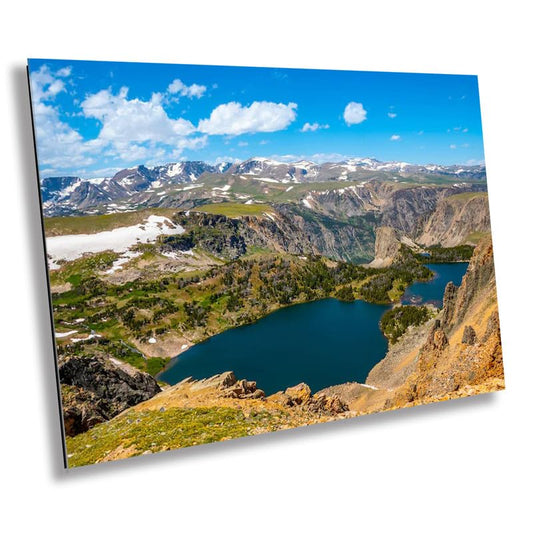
(460, 466)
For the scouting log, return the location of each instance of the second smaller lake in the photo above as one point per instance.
(432, 291)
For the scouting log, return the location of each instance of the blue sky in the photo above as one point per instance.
(93, 118)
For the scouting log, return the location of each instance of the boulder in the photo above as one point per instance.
(299, 394)
(469, 336)
(95, 390)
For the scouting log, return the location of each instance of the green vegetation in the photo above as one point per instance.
(231, 209)
(476, 236)
(439, 254)
(156, 431)
(82, 269)
(396, 321)
(465, 196)
(390, 283)
(97, 223)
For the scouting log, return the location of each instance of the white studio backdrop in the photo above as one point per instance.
(456, 466)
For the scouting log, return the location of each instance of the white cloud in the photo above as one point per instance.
(234, 119)
(354, 113)
(58, 145)
(314, 126)
(465, 130)
(242, 143)
(453, 146)
(178, 88)
(132, 130)
(395, 137)
(45, 84)
(315, 158)
(226, 159)
(130, 121)
(392, 115)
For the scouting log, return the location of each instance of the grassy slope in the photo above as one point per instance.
(95, 223)
(231, 209)
(137, 432)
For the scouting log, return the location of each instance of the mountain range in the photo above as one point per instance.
(142, 185)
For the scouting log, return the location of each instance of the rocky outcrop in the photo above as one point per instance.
(95, 390)
(469, 336)
(387, 247)
(321, 402)
(231, 238)
(478, 282)
(452, 363)
(225, 390)
(456, 220)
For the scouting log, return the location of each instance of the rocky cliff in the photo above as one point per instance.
(285, 229)
(457, 219)
(96, 389)
(387, 247)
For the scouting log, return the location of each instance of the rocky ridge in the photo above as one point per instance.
(456, 220)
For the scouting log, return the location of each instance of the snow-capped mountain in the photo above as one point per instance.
(135, 186)
(281, 171)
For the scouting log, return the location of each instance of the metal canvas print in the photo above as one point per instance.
(234, 251)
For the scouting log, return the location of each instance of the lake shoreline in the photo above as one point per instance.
(397, 302)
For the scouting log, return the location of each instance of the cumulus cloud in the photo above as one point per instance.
(132, 120)
(138, 130)
(235, 119)
(314, 126)
(392, 115)
(58, 145)
(354, 113)
(178, 88)
(395, 137)
(131, 129)
(45, 84)
(320, 157)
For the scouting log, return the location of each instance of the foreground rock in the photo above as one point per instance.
(95, 390)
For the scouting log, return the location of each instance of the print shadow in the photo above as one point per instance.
(44, 359)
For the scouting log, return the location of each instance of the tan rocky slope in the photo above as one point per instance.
(457, 219)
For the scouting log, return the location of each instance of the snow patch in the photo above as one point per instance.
(65, 334)
(174, 170)
(269, 180)
(125, 258)
(70, 247)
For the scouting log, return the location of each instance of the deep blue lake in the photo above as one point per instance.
(321, 343)
(432, 291)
